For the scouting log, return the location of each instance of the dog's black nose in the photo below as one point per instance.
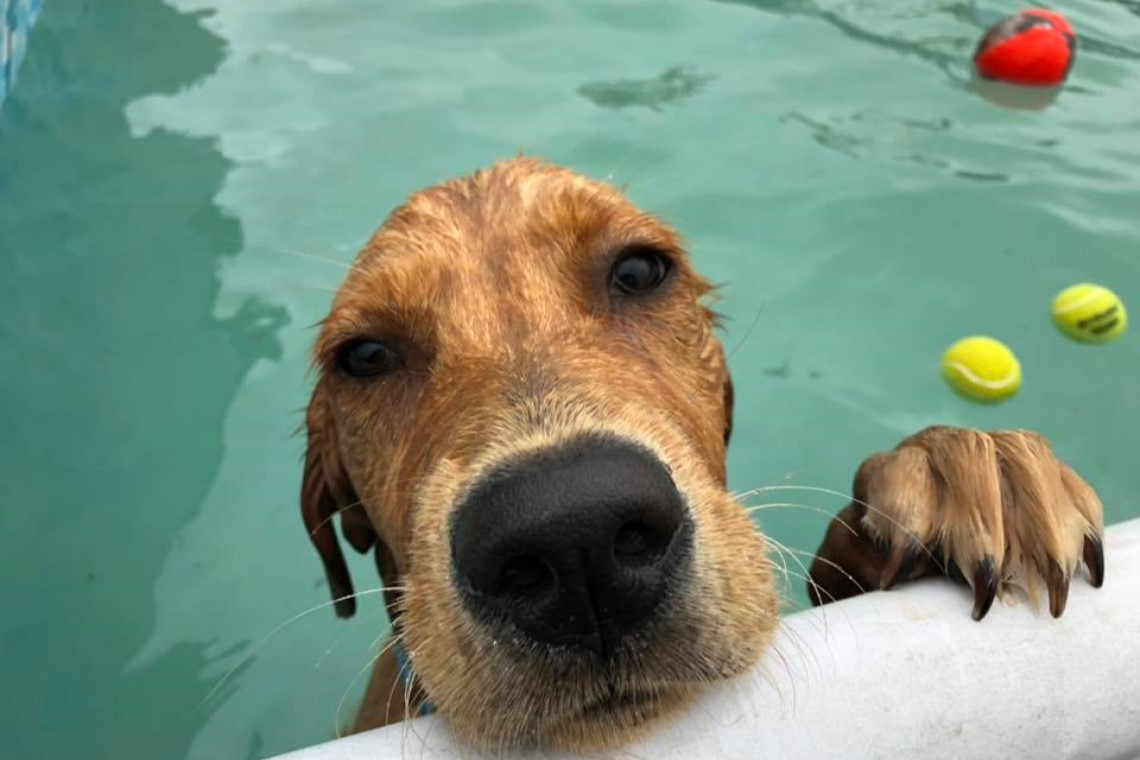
(576, 546)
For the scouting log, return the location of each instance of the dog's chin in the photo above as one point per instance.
(592, 724)
(617, 719)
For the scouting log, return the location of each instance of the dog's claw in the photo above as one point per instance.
(1094, 560)
(901, 563)
(1057, 581)
(985, 587)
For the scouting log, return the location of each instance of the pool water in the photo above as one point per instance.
(182, 183)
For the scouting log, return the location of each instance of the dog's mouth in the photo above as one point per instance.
(637, 701)
(627, 711)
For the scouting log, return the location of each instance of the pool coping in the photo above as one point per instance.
(900, 674)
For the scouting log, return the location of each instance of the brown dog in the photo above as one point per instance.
(523, 408)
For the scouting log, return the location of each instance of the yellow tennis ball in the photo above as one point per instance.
(1090, 313)
(982, 368)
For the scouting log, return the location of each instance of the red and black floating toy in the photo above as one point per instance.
(1036, 47)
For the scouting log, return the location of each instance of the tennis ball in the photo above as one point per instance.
(982, 368)
(1090, 313)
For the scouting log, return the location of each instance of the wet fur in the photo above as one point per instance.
(495, 285)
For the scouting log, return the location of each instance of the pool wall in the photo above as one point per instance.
(16, 20)
(903, 674)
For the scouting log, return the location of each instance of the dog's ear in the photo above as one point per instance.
(729, 399)
(327, 491)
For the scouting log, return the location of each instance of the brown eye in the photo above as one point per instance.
(638, 271)
(368, 358)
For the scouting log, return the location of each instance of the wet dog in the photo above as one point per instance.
(523, 410)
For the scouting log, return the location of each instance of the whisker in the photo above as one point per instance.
(782, 567)
(431, 725)
(805, 507)
(830, 563)
(264, 639)
(360, 503)
(796, 639)
(625, 159)
(333, 514)
(782, 550)
(336, 643)
(805, 654)
(409, 715)
(764, 670)
(807, 578)
(783, 563)
(747, 333)
(628, 187)
(348, 689)
(312, 287)
(396, 682)
(876, 510)
(637, 181)
(791, 676)
(407, 722)
(383, 633)
(415, 709)
(820, 611)
(827, 562)
(811, 554)
(392, 690)
(313, 257)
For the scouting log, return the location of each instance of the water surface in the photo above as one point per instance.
(169, 171)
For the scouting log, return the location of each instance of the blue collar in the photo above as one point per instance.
(406, 677)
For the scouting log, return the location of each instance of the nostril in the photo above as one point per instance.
(525, 577)
(637, 543)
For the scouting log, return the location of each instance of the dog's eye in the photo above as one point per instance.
(367, 358)
(639, 270)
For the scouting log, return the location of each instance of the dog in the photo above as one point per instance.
(523, 410)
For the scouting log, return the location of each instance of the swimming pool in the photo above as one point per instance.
(174, 173)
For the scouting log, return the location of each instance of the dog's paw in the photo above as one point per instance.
(996, 510)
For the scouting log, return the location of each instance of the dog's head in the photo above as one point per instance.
(522, 404)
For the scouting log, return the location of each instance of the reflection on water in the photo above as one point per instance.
(116, 380)
(671, 85)
(902, 30)
(861, 135)
(1017, 98)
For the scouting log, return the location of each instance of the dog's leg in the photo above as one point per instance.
(996, 510)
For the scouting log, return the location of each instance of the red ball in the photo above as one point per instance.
(1035, 47)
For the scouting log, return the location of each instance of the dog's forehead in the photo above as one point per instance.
(522, 209)
(512, 235)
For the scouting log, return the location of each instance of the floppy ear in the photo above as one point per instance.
(326, 491)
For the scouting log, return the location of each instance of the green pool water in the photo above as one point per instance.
(172, 175)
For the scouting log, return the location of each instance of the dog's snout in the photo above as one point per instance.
(576, 546)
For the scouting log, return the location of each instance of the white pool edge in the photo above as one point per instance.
(900, 674)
